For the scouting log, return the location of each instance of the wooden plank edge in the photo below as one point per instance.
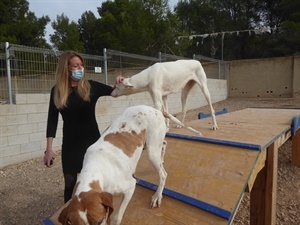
(258, 165)
(187, 199)
(202, 115)
(215, 141)
(47, 221)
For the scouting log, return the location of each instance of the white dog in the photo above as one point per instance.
(109, 165)
(165, 78)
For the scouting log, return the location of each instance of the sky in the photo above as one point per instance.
(73, 9)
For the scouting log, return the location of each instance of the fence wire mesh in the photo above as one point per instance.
(32, 70)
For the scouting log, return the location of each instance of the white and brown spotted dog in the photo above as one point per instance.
(110, 163)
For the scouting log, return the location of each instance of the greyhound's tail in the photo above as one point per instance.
(175, 120)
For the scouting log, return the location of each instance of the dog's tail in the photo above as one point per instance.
(175, 120)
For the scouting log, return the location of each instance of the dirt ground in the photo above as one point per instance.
(30, 192)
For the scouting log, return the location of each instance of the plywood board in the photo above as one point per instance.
(211, 173)
(253, 125)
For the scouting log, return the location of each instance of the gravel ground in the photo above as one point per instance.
(30, 192)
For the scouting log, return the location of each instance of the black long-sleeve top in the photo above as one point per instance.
(80, 128)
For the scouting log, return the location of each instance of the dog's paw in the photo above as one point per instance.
(156, 201)
(215, 127)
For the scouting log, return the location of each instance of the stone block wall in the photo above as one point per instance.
(23, 125)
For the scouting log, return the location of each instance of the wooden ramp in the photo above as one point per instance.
(207, 176)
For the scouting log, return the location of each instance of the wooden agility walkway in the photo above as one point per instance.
(207, 176)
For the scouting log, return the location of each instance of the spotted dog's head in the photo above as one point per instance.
(88, 208)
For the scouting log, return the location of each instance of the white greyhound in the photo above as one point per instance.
(165, 78)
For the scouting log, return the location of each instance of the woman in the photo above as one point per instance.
(75, 98)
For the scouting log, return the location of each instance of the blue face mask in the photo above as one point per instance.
(77, 74)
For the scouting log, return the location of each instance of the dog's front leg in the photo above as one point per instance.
(156, 159)
(157, 197)
(163, 151)
(159, 102)
(117, 219)
(166, 108)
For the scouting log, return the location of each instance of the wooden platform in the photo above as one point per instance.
(207, 176)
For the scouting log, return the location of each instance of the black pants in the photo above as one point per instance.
(70, 181)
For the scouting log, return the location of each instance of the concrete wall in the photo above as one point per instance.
(296, 76)
(271, 77)
(23, 125)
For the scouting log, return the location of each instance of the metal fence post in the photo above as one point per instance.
(219, 66)
(105, 64)
(7, 59)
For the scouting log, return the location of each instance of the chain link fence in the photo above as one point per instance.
(25, 69)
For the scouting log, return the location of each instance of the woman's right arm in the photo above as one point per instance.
(52, 122)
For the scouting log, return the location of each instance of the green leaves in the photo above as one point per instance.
(146, 26)
(20, 26)
(66, 35)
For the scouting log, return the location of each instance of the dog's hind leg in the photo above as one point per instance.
(208, 99)
(184, 94)
(202, 82)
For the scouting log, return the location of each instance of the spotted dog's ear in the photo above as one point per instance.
(63, 216)
(107, 202)
(70, 214)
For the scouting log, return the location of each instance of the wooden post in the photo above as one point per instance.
(271, 188)
(264, 192)
(296, 149)
(257, 200)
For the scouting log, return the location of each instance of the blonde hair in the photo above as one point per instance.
(63, 84)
